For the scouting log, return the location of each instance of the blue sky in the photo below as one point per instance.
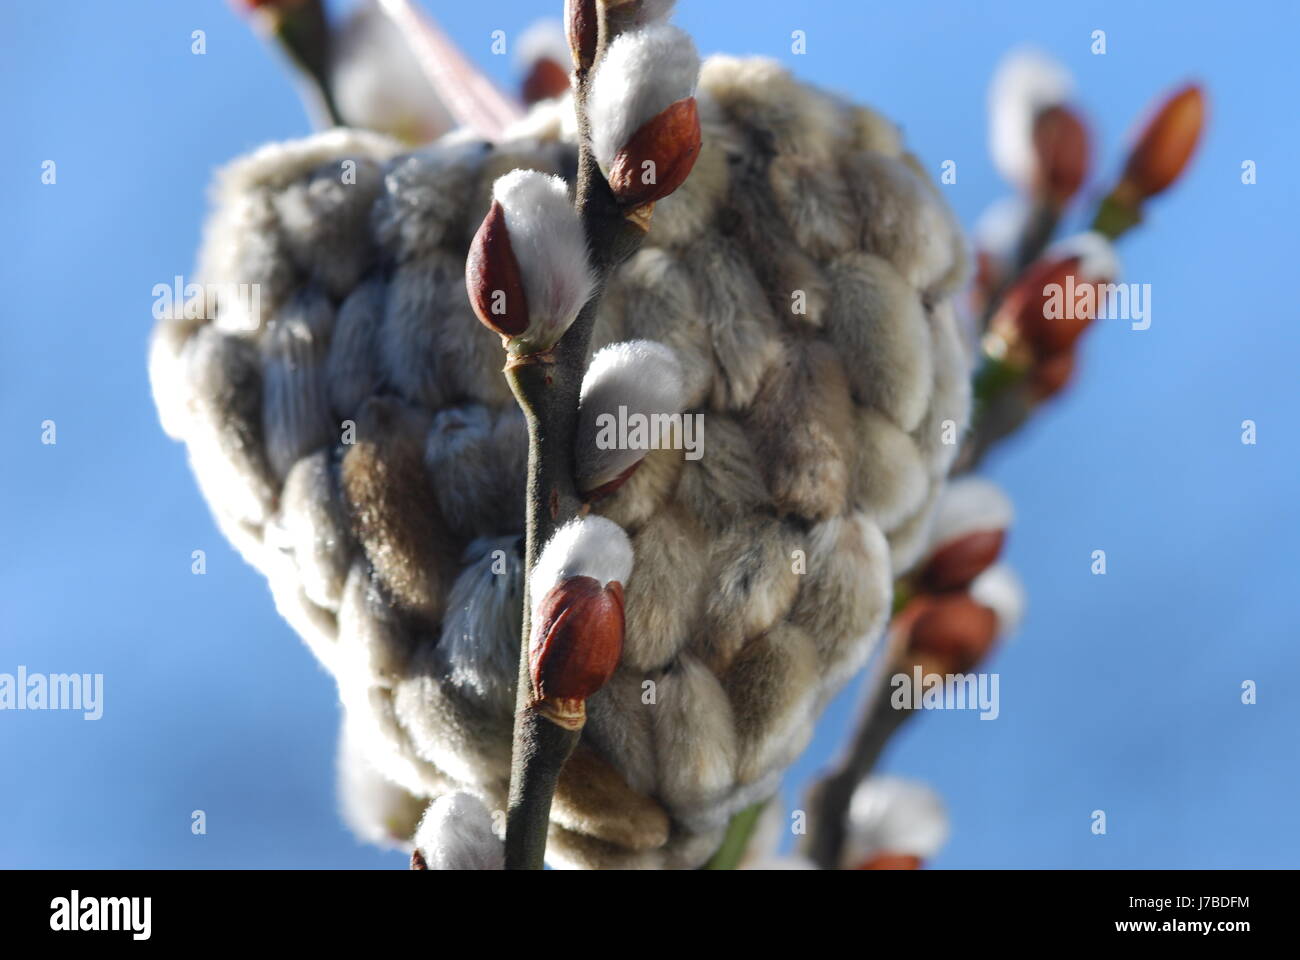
(1119, 693)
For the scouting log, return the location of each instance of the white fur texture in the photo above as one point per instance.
(480, 633)
(588, 546)
(374, 807)
(893, 815)
(1098, 259)
(791, 187)
(641, 376)
(969, 504)
(647, 11)
(378, 83)
(1026, 83)
(549, 244)
(544, 40)
(1000, 226)
(999, 589)
(456, 834)
(642, 73)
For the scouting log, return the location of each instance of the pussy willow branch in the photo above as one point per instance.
(829, 798)
(304, 35)
(548, 388)
(1034, 238)
(1002, 404)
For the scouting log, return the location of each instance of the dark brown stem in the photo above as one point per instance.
(998, 416)
(1038, 234)
(547, 388)
(1033, 241)
(547, 392)
(304, 35)
(830, 797)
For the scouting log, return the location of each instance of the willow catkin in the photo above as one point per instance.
(358, 442)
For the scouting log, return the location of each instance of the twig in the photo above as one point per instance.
(1035, 237)
(547, 386)
(304, 35)
(830, 797)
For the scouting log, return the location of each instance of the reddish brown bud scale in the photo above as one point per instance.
(670, 142)
(890, 861)
(1167, 143)
(582, 25)
(1061, 144)
(267, 4)
(610, 487)
(546, 80)
(988, 277)
(1023, 316)
(956, 563)
(1050, 375)
(577, 641)
(493, 279)
(952, 632)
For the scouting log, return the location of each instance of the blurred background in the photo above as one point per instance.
(1119, 692)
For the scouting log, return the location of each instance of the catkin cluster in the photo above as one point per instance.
(357, 442)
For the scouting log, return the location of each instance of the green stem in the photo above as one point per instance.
(1115, 217)
(739, 832)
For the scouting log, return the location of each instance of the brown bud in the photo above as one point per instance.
(659, 156)
(890, 861)
(1167, 142)
(1061, 145)
(988, 277)
(576, 645)
(1027, 315)
(952, 632)
(256, 4)
(492, 277)
(417, 860)
(582, 24)
(1051, 374)
(546, 79)
(957, 562)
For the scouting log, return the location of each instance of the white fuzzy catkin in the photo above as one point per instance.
(637, 379)
(893, 815)
(377, 809)
(1000, 227)
(456, 834)
(647, 11)
(590, 546)
(427, 449)
(377, 82)
(1098, 259)
(999, 589)
(970, 504)
(543, 40)
(642, 73)
(1025, 84)
(480, 633)
(550, 247)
